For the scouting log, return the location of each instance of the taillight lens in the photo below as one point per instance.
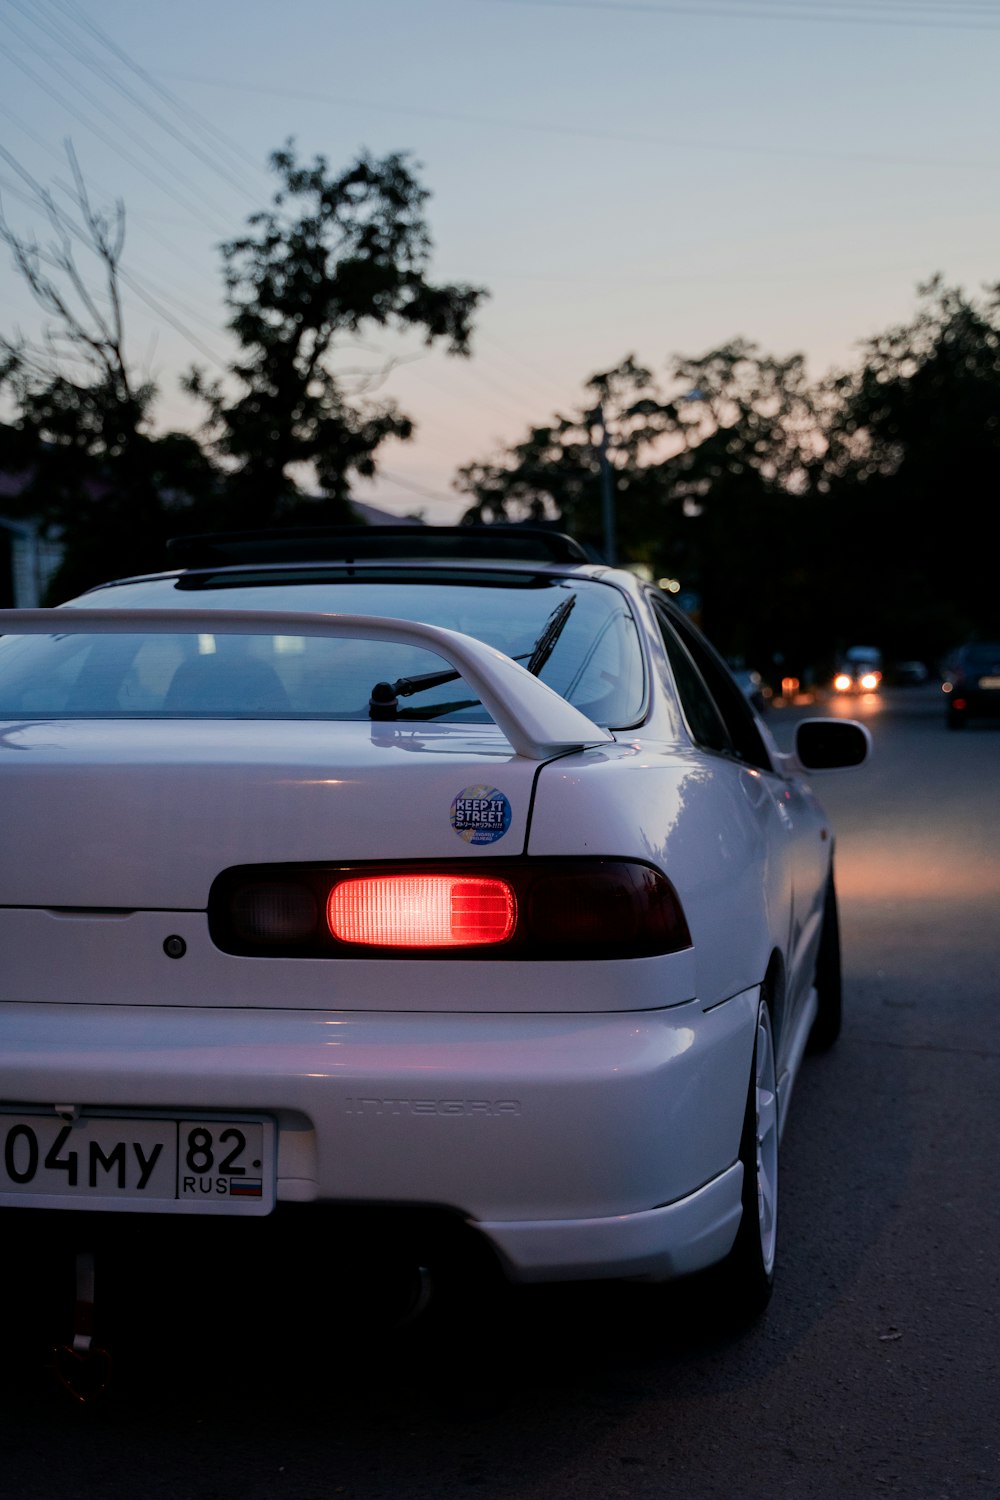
(519, 909)
(586, 906)
(274, 912)
(421, 911)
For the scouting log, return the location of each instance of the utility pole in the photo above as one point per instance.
(608, 518)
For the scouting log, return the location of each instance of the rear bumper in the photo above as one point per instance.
(976, 703)
(578, 1146)
(661, 1243)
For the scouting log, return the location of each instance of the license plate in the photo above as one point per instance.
(155, 1163)
(989, 682)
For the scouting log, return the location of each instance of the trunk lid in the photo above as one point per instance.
(144, 814)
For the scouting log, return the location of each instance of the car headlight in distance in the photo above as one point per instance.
(503, 909)
(870, 681)
(842, 682)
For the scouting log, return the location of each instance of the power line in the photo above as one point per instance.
(94, 65)
(187, 115)
(819, 13)
(584, 132)
(127, 277)
(115, 144)
(515, 357)
(418, 489)
(225, 141)
(140, 287)
(136, 287)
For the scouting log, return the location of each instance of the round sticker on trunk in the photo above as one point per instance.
(480, 815)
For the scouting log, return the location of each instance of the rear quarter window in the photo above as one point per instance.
(716, 711)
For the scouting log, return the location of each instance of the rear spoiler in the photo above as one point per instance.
(536, 721)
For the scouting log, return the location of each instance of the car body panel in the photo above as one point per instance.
(151, 803)
(706, 821)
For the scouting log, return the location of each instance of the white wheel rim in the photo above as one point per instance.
(766, 1106)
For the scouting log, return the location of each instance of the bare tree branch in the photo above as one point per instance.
(61, 289)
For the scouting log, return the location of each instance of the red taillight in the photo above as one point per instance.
(534, 909)
(586, 907)
(421, 911)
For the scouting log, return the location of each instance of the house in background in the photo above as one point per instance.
(370, 515)
(27, 562)
(28, 558)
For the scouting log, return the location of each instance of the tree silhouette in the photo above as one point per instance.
(555, 473)
(913, 473)
(710, 484)
(94, 473)
(336, 257)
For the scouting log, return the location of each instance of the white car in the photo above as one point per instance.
(437, 876)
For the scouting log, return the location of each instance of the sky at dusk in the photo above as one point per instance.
(624, 178)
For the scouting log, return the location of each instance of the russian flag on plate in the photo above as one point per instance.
(246, 1187)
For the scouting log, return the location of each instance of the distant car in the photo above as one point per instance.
(971, 682)
(443, 882)
(860, 670)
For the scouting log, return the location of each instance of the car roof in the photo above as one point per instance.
(509, 543)
(297, 555)
(980, 648)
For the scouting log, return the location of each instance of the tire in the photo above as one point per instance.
(829, 986)
(957, 721)
(747, 1273)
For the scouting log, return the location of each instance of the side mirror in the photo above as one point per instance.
(831, 744)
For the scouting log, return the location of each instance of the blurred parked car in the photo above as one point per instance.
(908, 673)
(971, 682)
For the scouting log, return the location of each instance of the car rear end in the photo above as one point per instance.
(261, 969)
(972, 683)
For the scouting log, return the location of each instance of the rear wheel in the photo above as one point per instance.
(829, 988)
(748, 1270)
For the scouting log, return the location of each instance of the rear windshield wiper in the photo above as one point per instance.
(546, 643)
(385, 696)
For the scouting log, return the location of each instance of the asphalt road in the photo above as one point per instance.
(874, 1372)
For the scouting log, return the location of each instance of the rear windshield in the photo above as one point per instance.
(583, 629)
